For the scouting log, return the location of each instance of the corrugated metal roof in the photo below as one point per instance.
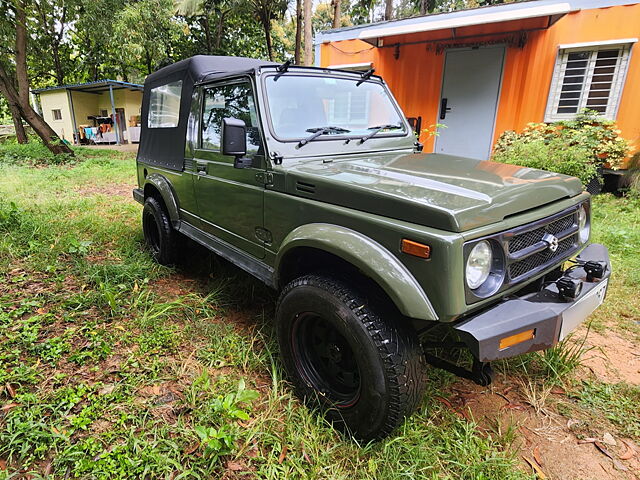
(472, 16)
(93, 86)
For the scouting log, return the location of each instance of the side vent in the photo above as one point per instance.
(189, 165)
(305, 187)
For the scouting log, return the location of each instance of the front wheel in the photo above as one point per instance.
(365, 373)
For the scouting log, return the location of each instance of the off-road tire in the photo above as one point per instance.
(160, 236)
(390, 361)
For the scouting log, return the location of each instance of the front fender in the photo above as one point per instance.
(166, 191)
(369, 257)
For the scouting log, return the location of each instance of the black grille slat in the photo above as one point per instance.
(519, 268)
(526, 239)
(523, 240)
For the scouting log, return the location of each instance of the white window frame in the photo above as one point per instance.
(619, 77)
(162, 112)
(56, 114)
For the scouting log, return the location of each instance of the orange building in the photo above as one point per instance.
(486, 70)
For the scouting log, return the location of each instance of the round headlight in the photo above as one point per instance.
(583, 224)
(479, 265)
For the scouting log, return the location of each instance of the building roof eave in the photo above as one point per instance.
(553, 9)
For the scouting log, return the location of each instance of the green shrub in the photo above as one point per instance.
(574, 147)
(32, 153)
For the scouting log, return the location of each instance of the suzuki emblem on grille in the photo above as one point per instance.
(551, 241)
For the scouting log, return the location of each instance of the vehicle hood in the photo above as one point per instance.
(440, 191)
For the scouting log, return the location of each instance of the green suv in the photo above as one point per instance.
(385, 258)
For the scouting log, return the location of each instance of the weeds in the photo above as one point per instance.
(106, 376)
(616, 402)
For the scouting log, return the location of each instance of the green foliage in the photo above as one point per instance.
(225, 409)
(32, 153)
(10, 216)
(147, 31)
(616, 402)
(578, 147)
(83, 334)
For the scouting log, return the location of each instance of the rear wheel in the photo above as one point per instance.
(160, 236)
(365, 373)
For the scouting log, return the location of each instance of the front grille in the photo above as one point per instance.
(527, 239)
(526, 254)
(524, 266)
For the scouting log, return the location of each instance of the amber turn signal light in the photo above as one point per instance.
(416, 249)
(507, 342)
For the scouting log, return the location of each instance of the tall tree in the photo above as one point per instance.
(298, 41)
(336, 4)
(52, 51)
(308, 33)
(388, 9)
(14, 83)
(266, 11)
(147, 30)
(20, 34)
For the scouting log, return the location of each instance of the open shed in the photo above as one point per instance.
(104, 111)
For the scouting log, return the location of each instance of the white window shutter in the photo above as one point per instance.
(587, 77)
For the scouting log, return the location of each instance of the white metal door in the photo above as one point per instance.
(469, 100)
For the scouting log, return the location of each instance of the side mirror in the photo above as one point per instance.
(234, 141)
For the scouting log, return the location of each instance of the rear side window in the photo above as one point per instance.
(164, 105)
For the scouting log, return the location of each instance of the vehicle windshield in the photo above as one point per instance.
(301, 104)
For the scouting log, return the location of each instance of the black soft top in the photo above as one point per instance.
(164, 147)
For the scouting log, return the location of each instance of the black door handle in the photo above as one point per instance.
(443, 108)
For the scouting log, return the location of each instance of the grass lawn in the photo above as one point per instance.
(114, 367)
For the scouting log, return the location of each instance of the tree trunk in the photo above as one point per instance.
(22, 76)
(18, 99)
(21, 134)
(220, 30)
(42, 128)
(336, 13)
(296, 55)
(388, 9)
(266, 25)
(204, 22)
(308, 33)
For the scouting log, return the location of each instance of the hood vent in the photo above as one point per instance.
(305, 187)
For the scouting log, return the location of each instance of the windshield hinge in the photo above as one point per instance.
(265, 178)
(276, 158)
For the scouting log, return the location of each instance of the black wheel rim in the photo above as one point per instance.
(152, 233)
(325, 359)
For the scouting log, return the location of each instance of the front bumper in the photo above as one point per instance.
(544, 315)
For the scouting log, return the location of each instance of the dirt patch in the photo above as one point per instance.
(174, 286)
(544, 437)
(613, 358)
(109, 190)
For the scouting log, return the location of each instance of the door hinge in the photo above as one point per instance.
(265, 178)
(263, 235)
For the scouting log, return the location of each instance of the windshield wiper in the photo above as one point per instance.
(377, 129)
(317, 131)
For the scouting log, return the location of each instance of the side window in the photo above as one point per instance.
(229, 101)
(164, 105)
(591, 78)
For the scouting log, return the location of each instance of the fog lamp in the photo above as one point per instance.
(595, 270)
(569, 287)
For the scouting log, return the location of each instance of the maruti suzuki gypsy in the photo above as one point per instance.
(385, 258)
